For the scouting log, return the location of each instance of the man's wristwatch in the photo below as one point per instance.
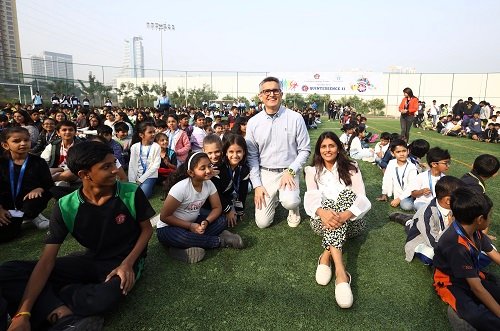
(291, 172)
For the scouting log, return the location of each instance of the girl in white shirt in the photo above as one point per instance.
(336, 201)
(356, 151)
(181, 227)
(145, 159)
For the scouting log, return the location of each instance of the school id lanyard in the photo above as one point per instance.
(402, 180)
(16, 189)
(236, 181)
(470, 245)
(430, 182)
(144, 165)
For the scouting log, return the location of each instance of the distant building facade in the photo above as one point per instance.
(10, 49)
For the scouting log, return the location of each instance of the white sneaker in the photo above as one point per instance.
(154, 220)
(41, 222)
(293, 218)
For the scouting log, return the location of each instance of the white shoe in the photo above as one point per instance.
(343, 293)
(323, 272)
(41, 222)
(293, 218)
(154, 220)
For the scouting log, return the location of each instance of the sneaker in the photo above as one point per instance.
(293, 218)
(61, 183)
(154, 220)
(187, 255)
(41, 222)
(229, 239)
(77, 323)
(400, 218)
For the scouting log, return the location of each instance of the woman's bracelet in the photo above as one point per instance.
(205, 220)
(22, 313)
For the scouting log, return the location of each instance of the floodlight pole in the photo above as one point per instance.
(161, 27)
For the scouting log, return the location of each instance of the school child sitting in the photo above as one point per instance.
(144, 158)
(453, 128)
(168, 163)
(423, 186)
(382, 146)
(430, 221)
(222, 179)
(417, 150)
(388, 155)
(56, 152)
(485, 167)
(427, 124)
(181, 227)
(356, 151)
(25, 184)
(345, 137)
(458, 279)
(398, 175)
(121, 137)
(107, 133)
(475, 129)
(490, 134)
(111, 220)
(235, 153)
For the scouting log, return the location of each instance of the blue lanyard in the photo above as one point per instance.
(402, 180)
(236, 180)
(430, 182)
(441, 221)
(144, 165)
(472, 247)
(15, 190)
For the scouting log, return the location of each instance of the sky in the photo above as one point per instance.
(269, 36)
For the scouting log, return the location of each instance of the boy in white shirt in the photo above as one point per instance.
(382, 146)
(398, 175)
(423, 186)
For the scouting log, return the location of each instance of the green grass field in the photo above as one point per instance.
(270, 284)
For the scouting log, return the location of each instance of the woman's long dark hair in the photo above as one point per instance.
(26, 116)
(344, 164)
(238, 122)
(408, 91)
(181, 172)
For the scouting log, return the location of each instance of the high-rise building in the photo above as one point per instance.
(58, 65)
(37, 66)
(133, 59)
(10, 49)
(52, 65)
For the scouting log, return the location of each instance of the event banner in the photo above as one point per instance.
(339, 83)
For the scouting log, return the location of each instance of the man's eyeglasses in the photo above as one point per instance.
(447, 163)
(273, 91)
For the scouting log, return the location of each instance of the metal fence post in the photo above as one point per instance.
(452, 84)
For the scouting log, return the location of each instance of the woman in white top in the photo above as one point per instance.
(336, 201)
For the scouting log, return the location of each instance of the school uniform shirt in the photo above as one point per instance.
(379, 148)
(425, 180)
(145, 165)
(197, 139)
(108, 231)
(344, 139)
(190, 199)
(36, 174)
(328, 185)
(455, 259)
(397, 179)
(427, 225)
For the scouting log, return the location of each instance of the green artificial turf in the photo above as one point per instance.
(270, 284)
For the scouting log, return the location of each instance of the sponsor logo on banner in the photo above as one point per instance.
(341, 83)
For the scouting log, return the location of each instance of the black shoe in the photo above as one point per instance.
(78, 323)
(400, 218)
(229, 239)
(187, 255)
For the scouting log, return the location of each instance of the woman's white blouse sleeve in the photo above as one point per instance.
(312, 197)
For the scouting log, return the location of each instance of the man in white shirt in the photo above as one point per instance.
(278, 147)
(434, 111)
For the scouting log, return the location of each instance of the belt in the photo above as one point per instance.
(274, 169)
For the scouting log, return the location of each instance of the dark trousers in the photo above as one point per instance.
(31, 209)
(174, 236)
(474, 311)
(406, 121)
(76, 281)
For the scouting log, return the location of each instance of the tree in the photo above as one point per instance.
(293, 100)
(94, 89)
(178, 98)
(376, 106)
(124, 91)
(197, 95)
